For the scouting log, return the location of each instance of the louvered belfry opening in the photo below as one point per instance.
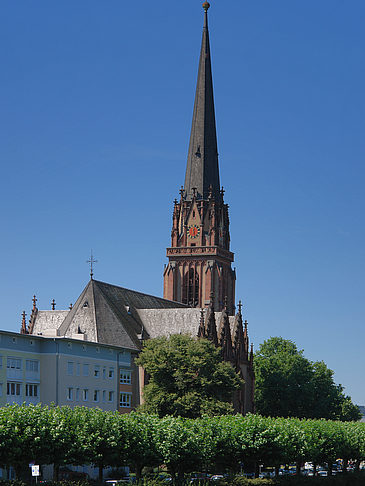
(190, 293)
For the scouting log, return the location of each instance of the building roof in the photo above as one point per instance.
(103, 313)
(164, 322)
(48, 319)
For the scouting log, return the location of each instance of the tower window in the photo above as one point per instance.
(191, 288)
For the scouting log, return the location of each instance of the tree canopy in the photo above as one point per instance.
(187, 378)
(289, 385)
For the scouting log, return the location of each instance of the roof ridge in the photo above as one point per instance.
(141, 293)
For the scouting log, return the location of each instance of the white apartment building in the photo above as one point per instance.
(64, 371)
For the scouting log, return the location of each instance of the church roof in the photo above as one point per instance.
(49, 319)
(107, 314)
(202, 169)
(139, 300)
(113, 315)
(164, 322)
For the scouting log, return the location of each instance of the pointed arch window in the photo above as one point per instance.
(191, 288)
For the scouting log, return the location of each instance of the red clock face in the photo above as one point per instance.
(193, 231)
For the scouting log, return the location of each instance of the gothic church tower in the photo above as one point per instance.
(200, 259)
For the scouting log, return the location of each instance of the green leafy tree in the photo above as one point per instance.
(187, 378)
(68, 438)
(138, 441)
(101, 434)
(181, 445)
(25, 436)
(289, 385)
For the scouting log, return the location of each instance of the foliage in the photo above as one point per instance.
(209, 444)
(101, 438)
(138, 436)
(289, 385)
(187, 378)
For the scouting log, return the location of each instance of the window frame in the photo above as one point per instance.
(127, 403)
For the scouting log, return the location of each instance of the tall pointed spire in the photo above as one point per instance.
(200, 218)
(202, 171)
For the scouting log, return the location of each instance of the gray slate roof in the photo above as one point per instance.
(113, 315)
(104, 313)
(49, 319)
(164, 322)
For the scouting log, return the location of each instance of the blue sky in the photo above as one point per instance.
(96, 102)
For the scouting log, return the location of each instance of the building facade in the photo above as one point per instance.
(63, 371)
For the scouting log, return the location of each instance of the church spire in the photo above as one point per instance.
(202, 171)
(199, 257)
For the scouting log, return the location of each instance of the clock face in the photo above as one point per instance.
(193, 231)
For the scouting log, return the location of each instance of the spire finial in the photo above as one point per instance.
(91, 262)
(53, 304)
(206, 6)
(34, 300)
(240, 307)
(23, 329)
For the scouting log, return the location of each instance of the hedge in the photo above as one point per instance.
(61, 435)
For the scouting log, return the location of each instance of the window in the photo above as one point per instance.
(14, 363)
(13, 388)
(111, 373)
(77, 398)
(110, 396)
(104, 373)
(85, 370)
(31, 390)
(32, 365)
(70, 368)
(78, 369)
(125, 400)
(190, 289)
(104, 395)
(70, 393)
(97, 371)
(125, 377)
(85, 394)
(96, 395)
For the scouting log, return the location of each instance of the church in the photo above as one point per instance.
(199, 282)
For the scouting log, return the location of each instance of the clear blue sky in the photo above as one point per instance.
(96, 102)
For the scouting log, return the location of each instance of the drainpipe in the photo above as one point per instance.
(57, 366)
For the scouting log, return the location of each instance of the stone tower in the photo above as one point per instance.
(200, 259)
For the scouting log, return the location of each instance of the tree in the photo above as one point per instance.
(138, 437)
(290, 385)
(101, 434)
(187, 378)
